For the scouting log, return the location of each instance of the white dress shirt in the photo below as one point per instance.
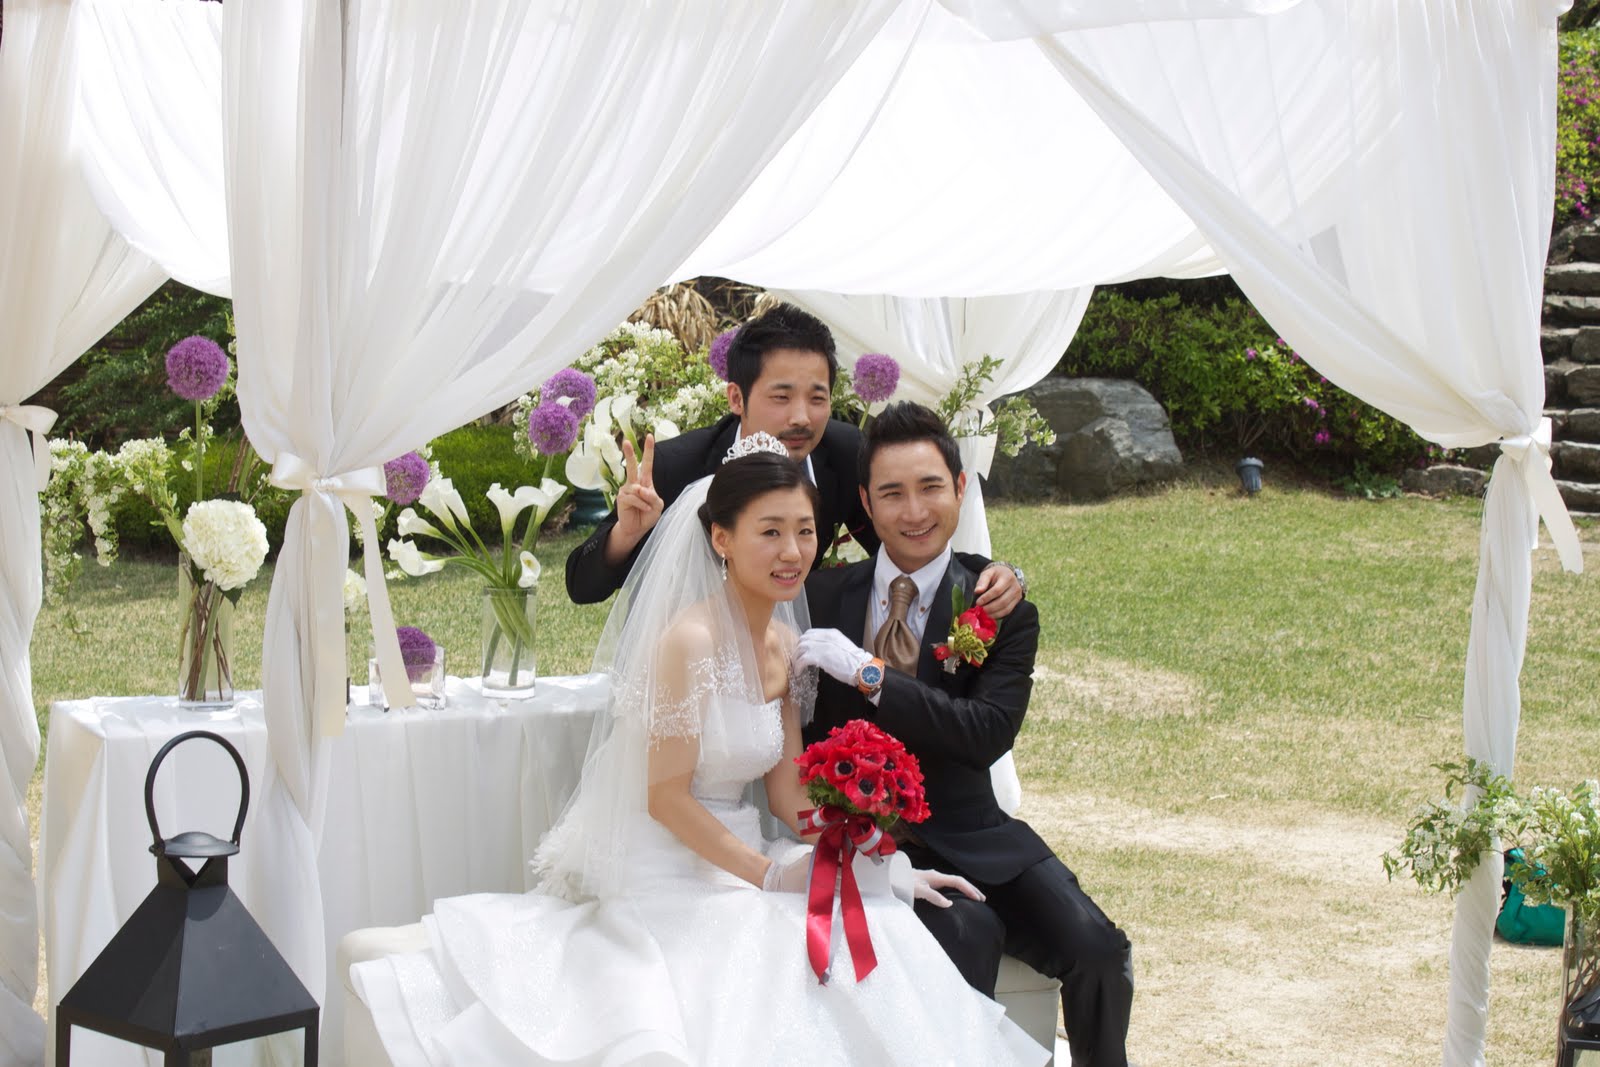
(927, 579)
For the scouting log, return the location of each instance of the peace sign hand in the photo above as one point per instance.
(638, 505)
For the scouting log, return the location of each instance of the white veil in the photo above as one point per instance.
(674, 598)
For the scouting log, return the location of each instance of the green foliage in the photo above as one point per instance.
(1364, 482)
(1558, 833)
(1578, 126)
(474, 457)
(1014, 424)
(118, 391)
(1228, 384)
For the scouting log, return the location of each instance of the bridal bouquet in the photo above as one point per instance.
(862, 782)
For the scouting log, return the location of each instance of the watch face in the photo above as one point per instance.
(871, 675)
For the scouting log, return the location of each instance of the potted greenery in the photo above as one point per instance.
(1559, 836)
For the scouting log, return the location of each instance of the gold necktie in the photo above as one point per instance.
(896, 645)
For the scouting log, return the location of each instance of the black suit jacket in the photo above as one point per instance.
(693, 455)
(955, 724)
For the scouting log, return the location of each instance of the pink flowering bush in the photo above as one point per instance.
(1578, 127)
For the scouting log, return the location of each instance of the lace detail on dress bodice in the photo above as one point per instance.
(739, 743)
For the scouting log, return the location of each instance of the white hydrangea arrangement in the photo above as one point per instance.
(225, 542)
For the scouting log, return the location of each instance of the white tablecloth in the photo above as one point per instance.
(422, 805)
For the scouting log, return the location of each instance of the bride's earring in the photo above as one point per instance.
(724, 568)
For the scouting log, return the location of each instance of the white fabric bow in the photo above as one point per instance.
(327, 496)
(37, 421)
(1530, 452)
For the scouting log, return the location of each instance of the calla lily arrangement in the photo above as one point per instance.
(596, 461)
(513, 567)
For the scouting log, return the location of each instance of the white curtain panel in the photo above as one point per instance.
(933, 339)
(65, 279)
(431, 208)
(1417, 287)
(982, 173)
(149, 129)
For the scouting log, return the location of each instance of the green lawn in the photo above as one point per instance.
(1236, 707)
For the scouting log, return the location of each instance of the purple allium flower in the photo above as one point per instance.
(196, 368)
(876, 377)
(553, 428)
(573, 384)
(417, 652)
(718, 354)
(405, 477)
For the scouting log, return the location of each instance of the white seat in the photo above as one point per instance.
(1030, 999)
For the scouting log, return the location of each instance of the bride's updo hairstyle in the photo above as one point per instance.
(741, 481)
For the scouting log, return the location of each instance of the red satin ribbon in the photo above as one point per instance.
(842, 833)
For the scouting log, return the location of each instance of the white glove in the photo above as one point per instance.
(832, 653)
(926, 886)
(788, 875)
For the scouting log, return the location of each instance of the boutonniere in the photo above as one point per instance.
(971, 634)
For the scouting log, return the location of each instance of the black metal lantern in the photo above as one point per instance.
(190, 969)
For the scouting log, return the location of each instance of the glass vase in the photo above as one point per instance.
(506, 665)
(1580, 979)
(426, 680)
(205, 641)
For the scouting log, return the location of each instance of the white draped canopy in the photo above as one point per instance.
(422, 210)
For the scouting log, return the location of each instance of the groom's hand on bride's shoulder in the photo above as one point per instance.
(832, 653)
(999, 589)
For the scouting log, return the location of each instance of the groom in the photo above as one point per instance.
(878, 622)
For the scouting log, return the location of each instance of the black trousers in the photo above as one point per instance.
(1046, 920)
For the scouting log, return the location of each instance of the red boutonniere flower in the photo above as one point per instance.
(971, 635)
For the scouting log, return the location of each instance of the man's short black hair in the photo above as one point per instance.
(780, 326)
(901, 423)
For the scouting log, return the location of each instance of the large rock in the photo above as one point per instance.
(1583, 347)
(1445, 479)
(1111, 435)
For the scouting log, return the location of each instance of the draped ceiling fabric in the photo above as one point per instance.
(65, 279)
(935, 338)
(493, 186)
(485, 194)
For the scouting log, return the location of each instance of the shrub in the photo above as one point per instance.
(1578, 126)
(1229, 385)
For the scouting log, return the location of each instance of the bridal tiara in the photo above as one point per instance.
(754, 443)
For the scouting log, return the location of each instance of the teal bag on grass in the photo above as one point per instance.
(1528, 924)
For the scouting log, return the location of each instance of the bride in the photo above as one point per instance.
(665, 929)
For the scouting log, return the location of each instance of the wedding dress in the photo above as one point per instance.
(635, 950)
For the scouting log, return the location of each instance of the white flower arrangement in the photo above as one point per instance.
(225, 541)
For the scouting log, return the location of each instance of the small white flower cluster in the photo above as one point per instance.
(84, 487)
(225, 540)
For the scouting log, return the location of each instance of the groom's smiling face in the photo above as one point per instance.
(914, 501)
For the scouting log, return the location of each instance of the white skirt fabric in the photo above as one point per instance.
(691, 966)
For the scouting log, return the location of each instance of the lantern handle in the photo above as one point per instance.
(155, 765)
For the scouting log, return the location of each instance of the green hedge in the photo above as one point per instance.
(1230, 385)
(1578, 127)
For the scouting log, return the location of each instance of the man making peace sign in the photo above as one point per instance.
(781, 368)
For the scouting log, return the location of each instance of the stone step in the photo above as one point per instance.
(1583, 386)
(1555, 382)
(1556, 342)
(1581, 279)
(1560, 310)
(1576, 461)
(1580, 496)
(1579, 424)
(1587, 246)
(1584, 346)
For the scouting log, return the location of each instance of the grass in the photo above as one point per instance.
(1237, 705)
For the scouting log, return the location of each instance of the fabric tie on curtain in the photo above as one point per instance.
(327, 496)
(1530, 452)
(37, 421)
